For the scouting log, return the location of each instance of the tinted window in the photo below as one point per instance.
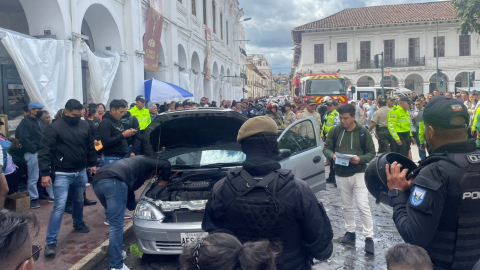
(299, 138)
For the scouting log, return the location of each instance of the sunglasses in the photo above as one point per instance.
(35, 255)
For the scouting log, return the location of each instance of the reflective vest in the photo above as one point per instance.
(142, 115)
(398, 122)
(477, 111)
(331, 120)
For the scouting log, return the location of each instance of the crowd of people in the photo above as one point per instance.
(59, 158)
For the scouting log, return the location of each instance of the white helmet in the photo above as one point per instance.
(327, 100)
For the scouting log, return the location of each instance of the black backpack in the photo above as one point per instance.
(363, 137)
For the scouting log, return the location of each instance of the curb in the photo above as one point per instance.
(100, 253)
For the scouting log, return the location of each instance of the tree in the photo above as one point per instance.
(468, 11)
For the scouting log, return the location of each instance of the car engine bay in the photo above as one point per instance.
(188, 191)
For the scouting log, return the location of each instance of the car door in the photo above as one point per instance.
(305, 161)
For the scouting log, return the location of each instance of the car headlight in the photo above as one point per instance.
(146, 211)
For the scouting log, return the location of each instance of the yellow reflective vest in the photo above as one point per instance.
(398, 122)
(331, 120)
(142, 115)
(475, 119)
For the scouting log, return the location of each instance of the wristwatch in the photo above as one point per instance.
(392, 193)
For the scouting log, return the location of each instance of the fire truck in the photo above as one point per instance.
(320, 86)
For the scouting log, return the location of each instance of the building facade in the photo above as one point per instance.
(263, 65)
(347, 42)
(256, 81)
(119, 25)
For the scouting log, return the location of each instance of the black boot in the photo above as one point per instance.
(87, 201)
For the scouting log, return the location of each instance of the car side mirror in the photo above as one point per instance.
(283, 154)
(297, 91)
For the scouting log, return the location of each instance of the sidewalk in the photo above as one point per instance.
(71, 246)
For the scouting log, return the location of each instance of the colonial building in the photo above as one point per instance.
(256, 81)
(119, 25)
(262, 64)
(347, 41)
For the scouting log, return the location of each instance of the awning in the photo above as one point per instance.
(159, 91)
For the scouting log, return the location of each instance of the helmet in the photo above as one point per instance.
(272, 104)
(327, 100)
(376, 178)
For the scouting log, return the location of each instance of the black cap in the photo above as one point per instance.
(406, 99)
(441, 110)
(140, 98)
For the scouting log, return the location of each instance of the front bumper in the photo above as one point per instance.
(155, 237)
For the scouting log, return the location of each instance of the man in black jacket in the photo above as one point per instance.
(262, 201)
(67, 149)
(113, 134)
(115, 181)
(29, 133)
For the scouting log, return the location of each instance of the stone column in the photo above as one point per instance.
(426, 88)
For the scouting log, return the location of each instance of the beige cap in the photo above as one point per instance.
(256, 125)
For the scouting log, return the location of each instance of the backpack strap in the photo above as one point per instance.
(363, 137)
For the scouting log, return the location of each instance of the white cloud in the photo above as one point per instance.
(273, 21)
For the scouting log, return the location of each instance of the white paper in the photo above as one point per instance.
(343, 159)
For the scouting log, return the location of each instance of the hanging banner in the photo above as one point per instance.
(208, 37)
(153, 33)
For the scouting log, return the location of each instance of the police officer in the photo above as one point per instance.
(386, 143)
(399, 126)
(440, 208)
(262, 201)
(391, 102)
(332, 119)
(141, 113)
(306, 130)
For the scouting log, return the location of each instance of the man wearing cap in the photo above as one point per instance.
(30, 135)
(273, 205)
(332, 119)
(306, 130)
(399, 126)
(380, 122)
(438, 208)
(141, 113)
(391, 102)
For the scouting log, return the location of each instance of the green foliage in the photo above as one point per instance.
(134, 250)
(468, 11)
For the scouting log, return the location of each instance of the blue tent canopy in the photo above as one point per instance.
(160, 91)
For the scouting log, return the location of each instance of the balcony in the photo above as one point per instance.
(399, 62)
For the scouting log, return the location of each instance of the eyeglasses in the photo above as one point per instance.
(35, 255)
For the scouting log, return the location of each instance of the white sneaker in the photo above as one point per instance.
(123, 268)
(124, 254)
(127, 216)
(87, 184)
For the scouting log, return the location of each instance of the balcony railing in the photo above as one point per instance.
(399, 62)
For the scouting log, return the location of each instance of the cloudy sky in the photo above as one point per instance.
(273, 20)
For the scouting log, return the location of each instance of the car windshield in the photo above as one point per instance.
(207, 157)
(325, 87)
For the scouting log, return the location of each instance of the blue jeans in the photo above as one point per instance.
(62, 183)
(112, 193)
(33, 174)
(421, 153)
(109, 160)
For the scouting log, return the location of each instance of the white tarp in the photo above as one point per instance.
(102, 67)
(199, 88)
(184, 81)
(45, 67)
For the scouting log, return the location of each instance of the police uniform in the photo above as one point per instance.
(306, 129)
(332, 119)
(143, 115)
(289, 118)
(262, 201)
(386, 143)
(441, 211)
(399, 128)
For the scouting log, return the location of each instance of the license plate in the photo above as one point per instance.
(192, 238)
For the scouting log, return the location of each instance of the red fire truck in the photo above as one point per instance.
(320, 86)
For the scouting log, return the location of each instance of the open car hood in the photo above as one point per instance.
(179, 132)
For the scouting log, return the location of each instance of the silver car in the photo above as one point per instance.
(201, 146)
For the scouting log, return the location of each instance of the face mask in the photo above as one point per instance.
(72, 120)
(39, 114)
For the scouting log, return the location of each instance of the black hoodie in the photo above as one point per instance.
(111, 129)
